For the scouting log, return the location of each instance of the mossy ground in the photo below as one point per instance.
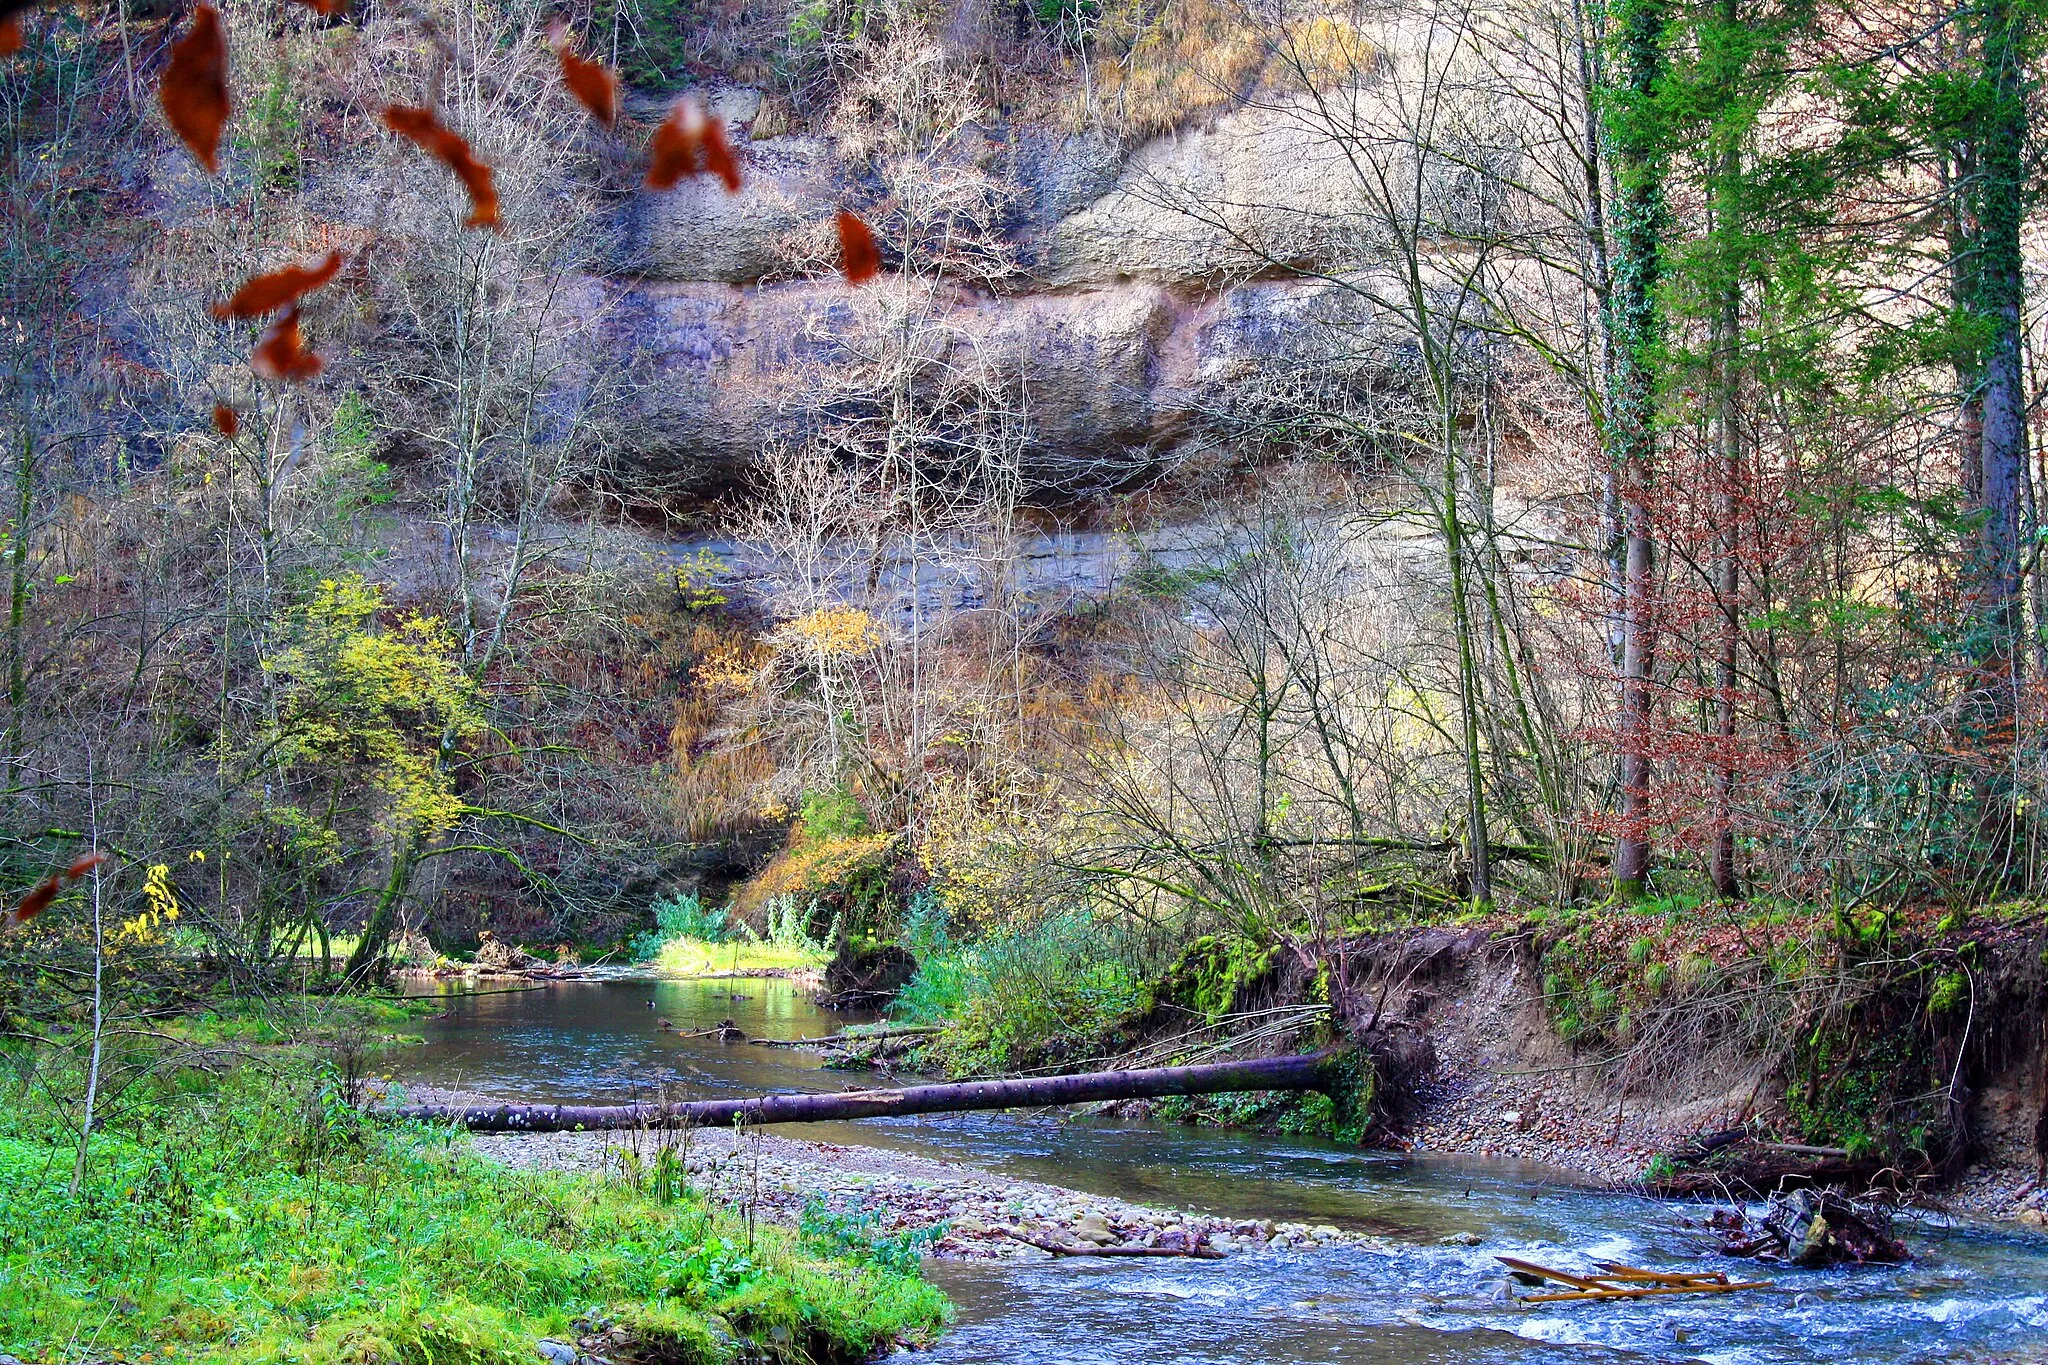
(254, 1216)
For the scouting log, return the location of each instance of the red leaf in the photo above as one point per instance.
(194, 89)
(10, 35)
(425, 131)
(859, 258)
(671, 153)
(225, 421)
(718, 157)
(35, 902)
(281, 352)
(690, 142)
(263, 294)
(595, 85)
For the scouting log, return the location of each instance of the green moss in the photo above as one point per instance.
(1211, 971)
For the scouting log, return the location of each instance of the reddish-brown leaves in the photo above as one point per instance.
(10, 35)
(264, 294)
(425, 131)
(281, 352)
(595, 85)
(195, 86)
(44, 892)
(225, 421)
(688, 143)
(859, 258)
(326, 9)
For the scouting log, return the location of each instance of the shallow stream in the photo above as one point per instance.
(1972, 1294)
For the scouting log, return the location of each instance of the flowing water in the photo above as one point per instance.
(1972, 1294)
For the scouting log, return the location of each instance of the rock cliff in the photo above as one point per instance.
(1147, 293)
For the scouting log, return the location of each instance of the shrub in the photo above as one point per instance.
(1048, 994)
(679, 917)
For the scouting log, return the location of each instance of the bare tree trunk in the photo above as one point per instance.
(1315, 1071)
(1721, 869)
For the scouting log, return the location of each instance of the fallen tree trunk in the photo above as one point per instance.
(1309, 1072)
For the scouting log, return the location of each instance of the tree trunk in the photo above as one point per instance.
(1994, 208)
(1640, 218)
(366, 963)
(1315, 1071)
(1722, 871)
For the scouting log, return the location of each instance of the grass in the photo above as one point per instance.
(695, 957)
(254, 1217)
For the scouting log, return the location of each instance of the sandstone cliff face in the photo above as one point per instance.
(1143, 306)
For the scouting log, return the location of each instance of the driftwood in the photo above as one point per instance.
(1813, 1230)
(1617, 1281)
(1735, 1163)
(1309, 1072)
(846, 1039)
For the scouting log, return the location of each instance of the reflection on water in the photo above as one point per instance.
(1971, 1296)
(602, 1041)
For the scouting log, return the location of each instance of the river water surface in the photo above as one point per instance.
(1972, 1294)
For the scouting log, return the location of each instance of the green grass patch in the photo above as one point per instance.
(695, 957)
(256, 1218)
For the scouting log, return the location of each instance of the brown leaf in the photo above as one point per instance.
(194, 88)
(225, 421)
(690, 142)
(595, 85)
(264, 294)
(425, 131)
(859, 258)
(10, 35)
(281, 352)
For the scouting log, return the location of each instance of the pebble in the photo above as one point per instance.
(984, 1217)
(557, 1352)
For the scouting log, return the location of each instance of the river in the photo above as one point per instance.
(1972, 1294)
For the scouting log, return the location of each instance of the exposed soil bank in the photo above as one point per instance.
(1520, 1070)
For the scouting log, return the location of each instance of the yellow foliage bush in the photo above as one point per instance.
(811, 869)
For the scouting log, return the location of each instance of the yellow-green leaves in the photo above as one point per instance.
(382, 697)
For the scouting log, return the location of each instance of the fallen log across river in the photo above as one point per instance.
(1314, 1071)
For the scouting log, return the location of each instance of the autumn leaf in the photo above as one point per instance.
(281, 352)
(595, 85)
(43, 893)
(859, 258)
(425, 131)
(225, 420)
(689, 142)
(264, 294)
(194, 89)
